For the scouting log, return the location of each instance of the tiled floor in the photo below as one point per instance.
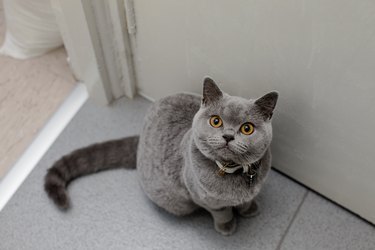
(110, 210)
(30, 92)
(320, 224)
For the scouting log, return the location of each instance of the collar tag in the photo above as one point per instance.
(249, 171)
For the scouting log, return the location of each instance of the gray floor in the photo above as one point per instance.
(110, 211)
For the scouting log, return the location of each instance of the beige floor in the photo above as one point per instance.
(30, 92)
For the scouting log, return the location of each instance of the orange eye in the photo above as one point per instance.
(215, 121)
(247, 128)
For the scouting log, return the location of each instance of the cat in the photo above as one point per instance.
(210, 152)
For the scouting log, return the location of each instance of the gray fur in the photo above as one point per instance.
(178, 147)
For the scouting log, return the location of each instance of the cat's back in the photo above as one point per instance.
(165, 124)
(159, 157)
(173, 114)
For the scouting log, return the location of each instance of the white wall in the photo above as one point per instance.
(320, 56)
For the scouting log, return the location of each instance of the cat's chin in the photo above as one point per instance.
(225, 153)
(218, 154)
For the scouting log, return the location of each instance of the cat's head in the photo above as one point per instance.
(231, 128)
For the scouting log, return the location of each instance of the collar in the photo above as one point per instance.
(231, 167)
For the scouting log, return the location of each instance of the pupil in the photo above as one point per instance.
(216, 121)
(247, 128)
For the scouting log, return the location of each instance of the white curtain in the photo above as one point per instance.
(31, 28)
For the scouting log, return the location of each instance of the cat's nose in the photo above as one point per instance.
(228, 138)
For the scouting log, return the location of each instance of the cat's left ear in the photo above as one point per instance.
(267, 104)
(211, 92)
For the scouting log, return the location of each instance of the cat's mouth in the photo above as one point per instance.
(227, 147)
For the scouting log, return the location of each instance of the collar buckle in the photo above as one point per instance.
(250, 171)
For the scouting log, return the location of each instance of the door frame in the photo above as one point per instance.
(96, 37)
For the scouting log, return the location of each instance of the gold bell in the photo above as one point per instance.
(221, 172)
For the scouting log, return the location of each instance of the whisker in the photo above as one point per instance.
(246, 158)
(242, 145)
(240, 150)
(213, 139)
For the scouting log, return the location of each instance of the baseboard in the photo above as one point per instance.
(146, 96)
(25, 164)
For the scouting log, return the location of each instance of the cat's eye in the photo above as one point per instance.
(215, 121)
(247, 128)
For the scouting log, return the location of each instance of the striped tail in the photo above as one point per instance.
(91, 159)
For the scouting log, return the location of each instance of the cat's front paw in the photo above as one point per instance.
(250, 211)
(227, 228)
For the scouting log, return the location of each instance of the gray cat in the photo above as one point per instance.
(212, 153)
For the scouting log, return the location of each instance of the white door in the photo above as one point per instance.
(319, 55)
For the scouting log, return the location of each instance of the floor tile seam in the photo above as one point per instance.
(292, 220)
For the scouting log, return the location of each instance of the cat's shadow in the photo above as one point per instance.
(199, 224)
(172, 219)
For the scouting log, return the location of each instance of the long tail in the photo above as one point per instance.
(94, 158)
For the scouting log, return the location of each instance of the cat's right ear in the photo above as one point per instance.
(211, 92)
(267, 104)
